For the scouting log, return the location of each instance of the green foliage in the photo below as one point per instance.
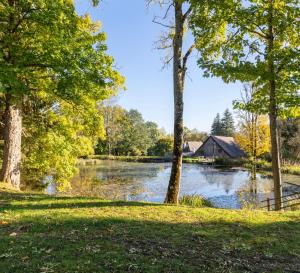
(233, 40)
(216, 128)
(195, 200)
(162, 147)
(128, 134)
(194, 135)
(227, 124)
(54, 63)
(224, 126)
(290, 139)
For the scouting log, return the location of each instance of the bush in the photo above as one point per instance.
(195, 201)
(229, 162)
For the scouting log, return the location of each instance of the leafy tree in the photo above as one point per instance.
(258, 41)
(162, 147)
(253, 128)
(254, 135)
(52, 60)
(153, 133)
(115, 120)
(126, 132)
(137, 138)
(53, 147)
(194, 135)
(290, 139)
(227, 124)
(216, 128)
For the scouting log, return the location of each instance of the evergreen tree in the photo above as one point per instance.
(216, 128)
(227, 124)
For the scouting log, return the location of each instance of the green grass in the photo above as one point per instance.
(39, 233)
(195, 200)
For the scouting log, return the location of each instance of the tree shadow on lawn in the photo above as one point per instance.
(63, 202)
(57, 244)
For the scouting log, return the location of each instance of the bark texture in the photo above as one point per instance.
(11, 165)
(178, 85)
(275, 150)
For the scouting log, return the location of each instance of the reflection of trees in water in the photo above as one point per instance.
(144, 181)
(114, 181)
(257, 188)
(220, 178)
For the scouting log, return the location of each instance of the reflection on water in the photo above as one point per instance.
(148, 182)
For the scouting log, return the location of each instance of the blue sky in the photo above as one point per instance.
(130, 39)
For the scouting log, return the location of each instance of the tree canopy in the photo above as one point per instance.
(54, 69)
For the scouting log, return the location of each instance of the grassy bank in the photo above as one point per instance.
(94, 159)
(39, 233)
(267, 166)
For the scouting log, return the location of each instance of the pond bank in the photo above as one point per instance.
(243, 163)
(143, 159)
(61, 234)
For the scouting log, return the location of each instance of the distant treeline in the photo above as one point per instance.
(127, 133)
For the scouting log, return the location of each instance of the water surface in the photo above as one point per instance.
(230, 188)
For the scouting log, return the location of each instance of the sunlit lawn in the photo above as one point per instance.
(43, 234)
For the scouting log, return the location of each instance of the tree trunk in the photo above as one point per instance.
(276, 165)
(275, 151)
(178, 85)
(11, 165)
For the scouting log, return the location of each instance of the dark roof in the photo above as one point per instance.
(193, 146)
(229, 145)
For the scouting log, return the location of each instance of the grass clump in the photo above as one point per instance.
(196, 201)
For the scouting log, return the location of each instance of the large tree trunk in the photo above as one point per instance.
(178, 82)
(275, 150)
(276, 165)
(11, 165)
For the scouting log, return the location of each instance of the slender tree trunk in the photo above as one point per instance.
(11, 165)
(178, 82)
(275, 151)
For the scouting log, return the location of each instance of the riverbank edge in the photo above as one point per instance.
(262, 165)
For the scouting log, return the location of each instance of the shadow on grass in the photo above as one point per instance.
(127, 241)
(51, 202)
(129, 245)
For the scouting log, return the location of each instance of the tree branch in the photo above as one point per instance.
(186, 56)
(187, 13)
(162, 24)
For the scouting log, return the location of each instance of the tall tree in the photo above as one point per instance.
(182, 12)
(227, 124)
(259, 42)
(253, 133)
(216, 128)
(47, 50)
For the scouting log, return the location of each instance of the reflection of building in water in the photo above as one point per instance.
(221, 179)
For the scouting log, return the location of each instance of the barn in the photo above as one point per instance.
(220, 146)
(190, 147)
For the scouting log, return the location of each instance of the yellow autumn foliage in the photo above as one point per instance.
(254, 136)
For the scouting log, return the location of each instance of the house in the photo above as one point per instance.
(190, 147)
(220, 146)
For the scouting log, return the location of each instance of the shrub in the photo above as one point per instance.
(195, 201)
